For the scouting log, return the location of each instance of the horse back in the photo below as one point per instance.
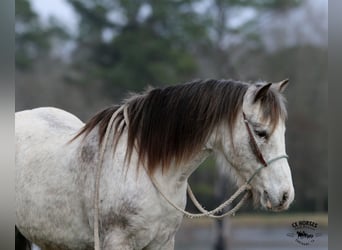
(43, 130)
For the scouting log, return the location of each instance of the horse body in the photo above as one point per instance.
(55, 189)
(55, 171)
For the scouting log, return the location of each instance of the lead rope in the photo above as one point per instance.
(205, 213)
(109, 132)
(223, 205)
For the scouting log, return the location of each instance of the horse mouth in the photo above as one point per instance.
(273, 206)
(266, 202)
(278, 208)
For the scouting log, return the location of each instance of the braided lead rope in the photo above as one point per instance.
(211, 214)
(109, 132)
(206, 213)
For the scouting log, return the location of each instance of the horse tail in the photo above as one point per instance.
(21, 243)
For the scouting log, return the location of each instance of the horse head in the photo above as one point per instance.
(256, 149)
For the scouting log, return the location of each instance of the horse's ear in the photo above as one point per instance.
(281, 86)
(262, 91)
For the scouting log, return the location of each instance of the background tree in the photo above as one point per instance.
(135, 43)
(33, 41)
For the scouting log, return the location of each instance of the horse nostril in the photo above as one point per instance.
(285, 197)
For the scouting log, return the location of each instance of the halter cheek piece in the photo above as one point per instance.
(257, 152)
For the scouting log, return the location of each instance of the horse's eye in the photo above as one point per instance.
(261, 133)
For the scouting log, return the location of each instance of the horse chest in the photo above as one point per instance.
(140, 213)
(159, 226)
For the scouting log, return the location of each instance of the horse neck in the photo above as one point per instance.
(174, 181)
(174, 178)
(177, 175)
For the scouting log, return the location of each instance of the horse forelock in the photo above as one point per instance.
(273, 105)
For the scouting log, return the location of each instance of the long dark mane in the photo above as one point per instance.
(172, 123)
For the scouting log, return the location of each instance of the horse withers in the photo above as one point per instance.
(164, 133)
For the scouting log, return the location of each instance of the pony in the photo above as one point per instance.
(164, 133)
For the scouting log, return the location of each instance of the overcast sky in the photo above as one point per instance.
(58, 8)
(64, 12)
(66, 15)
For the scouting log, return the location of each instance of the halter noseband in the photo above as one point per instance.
(257, 152)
